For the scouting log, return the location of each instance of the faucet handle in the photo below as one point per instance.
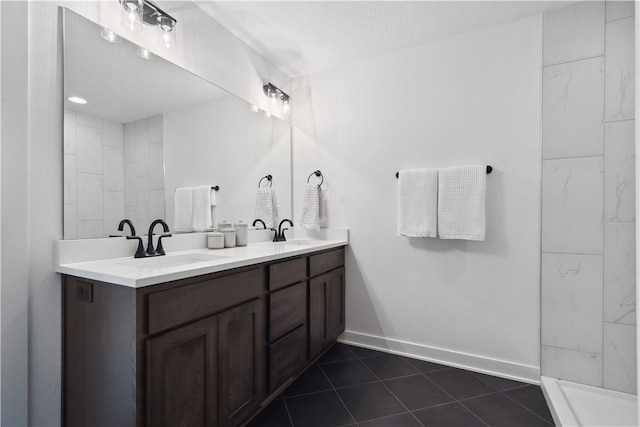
(159, 248)
(140, 251)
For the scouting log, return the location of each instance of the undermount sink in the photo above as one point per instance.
(296, 242)
(171, 260)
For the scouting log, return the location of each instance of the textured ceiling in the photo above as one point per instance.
(302, 37)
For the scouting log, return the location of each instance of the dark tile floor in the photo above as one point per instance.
(352, 386)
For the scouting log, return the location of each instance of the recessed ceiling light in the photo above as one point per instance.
(77, 100)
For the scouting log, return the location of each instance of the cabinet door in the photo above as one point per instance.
(335, 303)
(181, 376)
(326, 310)
(318, 333)
(241, 333)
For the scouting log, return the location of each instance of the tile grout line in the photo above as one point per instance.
(336, 392)
(286, 407)
(392, 393)
(525, 407)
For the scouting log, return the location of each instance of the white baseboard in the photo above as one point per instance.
(471, 362)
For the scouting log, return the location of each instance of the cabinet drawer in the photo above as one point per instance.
(287, 357)
(287, 273)
(287, 310)
(183, 304)
(326, 261)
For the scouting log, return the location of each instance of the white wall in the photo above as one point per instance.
(475, 98)
(33, 184)
(14, 226)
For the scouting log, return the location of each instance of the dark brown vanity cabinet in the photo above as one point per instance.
(207, 351)
(326, 300)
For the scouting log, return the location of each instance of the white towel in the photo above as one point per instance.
(183, 209)
(311, 208)
(201, 219)
(417, 202)
(266, 206)
(461, 202)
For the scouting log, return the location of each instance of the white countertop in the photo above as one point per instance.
(136, 273)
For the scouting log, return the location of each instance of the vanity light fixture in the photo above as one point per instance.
(254, 108)
(137, 12)
(110, 36)
(275, 94)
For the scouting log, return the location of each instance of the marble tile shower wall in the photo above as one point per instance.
(111, 171)
(588, 196)
(144, 171)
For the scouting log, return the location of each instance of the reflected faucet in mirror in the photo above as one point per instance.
(129, 223)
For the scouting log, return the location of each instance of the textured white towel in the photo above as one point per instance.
(417, 202)
(461, 202)
(266, 206)
(183, 209)
(310, 218)
(201, 219)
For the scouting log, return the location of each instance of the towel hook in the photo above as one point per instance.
(318, 174)
(268, 178)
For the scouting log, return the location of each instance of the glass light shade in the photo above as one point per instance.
(110, 36)
(254, 108)
(144, 53)
(267, 115)
(166, 32)
(132, 14)
(285, 106)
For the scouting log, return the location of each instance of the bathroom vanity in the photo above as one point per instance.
(192, 340)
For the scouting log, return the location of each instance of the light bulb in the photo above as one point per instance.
(273, 96)
(166, 32)
(285, 106)
(267, 115)
(254, 109)
(132, 14)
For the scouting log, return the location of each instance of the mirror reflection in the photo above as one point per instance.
(149, 127)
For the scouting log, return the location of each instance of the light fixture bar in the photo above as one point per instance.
(151, 12)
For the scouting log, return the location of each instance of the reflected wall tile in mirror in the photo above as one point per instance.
(619, 9)
(113, 169)
(572, 205)
(69, 131)
(573, 105)
(571, 365)
(619, 175)
(131, 214)
(619, 274)
(572, 301)
(90, 197)
(113, 211)
(155, 129)
(130, 184)
(156, 204)
(112, 134)
(90, 229)
(70, 179)
(70, 221)
(142, 125)
(619, 371)
(620, 71)
(142, 153)
(129, 141)
(574, 32)
(89, 149)
(156, 166)
(142, 201)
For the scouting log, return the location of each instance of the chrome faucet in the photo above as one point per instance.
(159, 250)
(280, 237)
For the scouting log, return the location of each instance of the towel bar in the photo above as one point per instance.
(489, 169)
(213, 187)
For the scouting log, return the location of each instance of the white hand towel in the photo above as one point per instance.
(322, 206)
(311, 208)
(201, 219)
(461, 202)
(265, 208)
(417, 202)
(183, 209)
